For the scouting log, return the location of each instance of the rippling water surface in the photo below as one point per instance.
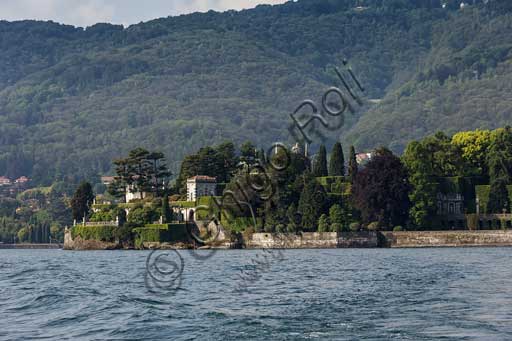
(310, 294)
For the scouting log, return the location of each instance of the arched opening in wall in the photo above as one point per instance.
(480, 225)
(191, 215)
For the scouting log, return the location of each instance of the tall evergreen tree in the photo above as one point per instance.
(424, 190)
(352, 164)
(498, 197)
(312, 203)
(247, 152)
(227, 159)
(337, 161)
(156, 173)
(145, 171)
(166, 211)
(82, 200)
(320, 164)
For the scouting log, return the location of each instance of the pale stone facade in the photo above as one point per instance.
(133, 195)
(201, 186)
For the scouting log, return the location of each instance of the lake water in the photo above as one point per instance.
(339, 294)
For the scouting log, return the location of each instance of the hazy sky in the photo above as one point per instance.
(89, 12)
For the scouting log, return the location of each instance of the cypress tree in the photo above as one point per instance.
(336, 214)
(498, 197)
(352, 164)
(81, 201)
(336, 217)
(312, 204)
(323, 223)
(337, 161)
(166, 211)
(320, 165)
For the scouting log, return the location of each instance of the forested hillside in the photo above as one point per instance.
(72, 99)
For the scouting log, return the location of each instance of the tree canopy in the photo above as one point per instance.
(381, 190)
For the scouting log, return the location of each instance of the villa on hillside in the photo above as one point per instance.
(11, 188)
(133, 194)
(201, 186)
(363, 158)
(4, 181)
(107, 180)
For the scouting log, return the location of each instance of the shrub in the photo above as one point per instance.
(473, 221)
(142, 216)
(398, 228)
(373, 226)
(23, 235)
(336, 227)
(354, 227)
(281, 228)
(102, 216)
(268, 228)
(124, 233)
(323, 223)
(336, 214)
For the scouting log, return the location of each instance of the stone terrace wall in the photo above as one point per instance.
(447, 238)
(312, 240)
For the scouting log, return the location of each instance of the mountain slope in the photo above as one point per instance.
(73, 99)
(463, 83)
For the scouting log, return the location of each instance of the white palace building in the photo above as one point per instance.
(201, 186)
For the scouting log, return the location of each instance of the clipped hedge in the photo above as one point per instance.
(185, 204)
(103, 207)
(334, 184)
(208, 201)
(160, 233)
(483, 191)
(101, 233)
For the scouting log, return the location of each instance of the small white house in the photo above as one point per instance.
(201, 186)
(132, 194)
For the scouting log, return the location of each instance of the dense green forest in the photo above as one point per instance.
(73, 99)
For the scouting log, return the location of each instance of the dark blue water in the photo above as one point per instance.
(451, 294)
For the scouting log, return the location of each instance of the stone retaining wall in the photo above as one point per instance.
(447, 238)
(312, 240)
